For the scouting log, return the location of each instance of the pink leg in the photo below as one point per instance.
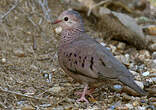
(89, 92)
(83, 95)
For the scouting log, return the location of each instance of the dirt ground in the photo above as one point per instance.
(31, 79)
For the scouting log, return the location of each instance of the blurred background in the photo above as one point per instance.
(30, 76)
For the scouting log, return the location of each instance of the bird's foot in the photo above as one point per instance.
(82, 99)
(88, 92)
(85, 91)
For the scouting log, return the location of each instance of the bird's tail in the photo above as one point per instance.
(130, 83)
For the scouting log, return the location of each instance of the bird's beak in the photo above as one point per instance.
(57, 21)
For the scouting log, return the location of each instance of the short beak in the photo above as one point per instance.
(57, 21)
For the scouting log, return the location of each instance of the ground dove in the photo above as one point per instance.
(86, 60)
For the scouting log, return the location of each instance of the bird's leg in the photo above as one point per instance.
(89, 92)
(83, 94)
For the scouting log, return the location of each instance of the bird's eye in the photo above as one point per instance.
(66, 19)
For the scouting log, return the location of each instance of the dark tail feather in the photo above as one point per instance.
(130, 83)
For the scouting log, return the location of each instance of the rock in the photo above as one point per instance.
(58, 108)
(117, 87)
(135, 103)
(3, 60)
(150, 29)
(30, 91)
(126, 97)
(58, 30)
(28, 107)
(113, 48)
(33, 67)
(56, 89)
(19, 53)
(121, 46)
(134, 72)
(141, 108)
(153, 79)
(153, 47)
(43, 57)
(154, 55)
(103, 44)
(144, 54)
(122, 108)
(140, 84)
(153, 63)
(150, 107)
(130, 106)
(123, 58)
(154, 103)
(152, 99)
(152, 75)
(146, 73)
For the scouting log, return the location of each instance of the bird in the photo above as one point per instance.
(86, 60)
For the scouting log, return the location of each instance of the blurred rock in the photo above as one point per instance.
(103, 44)
(154, 55)
(144, 54)
(28, 107)
(121, 46)
(3, 60)
(19, 52)
(33, 67)
(134, 72)
(126, 97)
(140, 84)
(113, 48)
(123, 58)
(150, 29)
(58, 30)
(150, 107)
(153, 63)
(117, 87)
(135, 103)
(130, 106)
(153, 47)
(56, 89)
(146, 73)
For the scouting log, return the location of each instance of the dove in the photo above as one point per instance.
(86, 60)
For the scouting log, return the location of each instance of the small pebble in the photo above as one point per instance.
(154, 55)
(117, 87)
(121, 46)
(58, 30)
(153, 47)
(134, 73)
(146, 73)
(19, 53)
(103, 44)
(3, 60)
(135, 103)
(28, 107)
(56, 89)
(150, 107)
(153, 79)
(125, 97)
(113, 48)
(130, 106)
(140, 84)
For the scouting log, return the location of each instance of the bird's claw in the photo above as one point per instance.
(82, 99)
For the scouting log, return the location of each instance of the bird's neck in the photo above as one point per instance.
(68, 35)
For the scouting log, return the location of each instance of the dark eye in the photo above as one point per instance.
(66, 18)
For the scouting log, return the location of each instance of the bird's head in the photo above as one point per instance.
(70, 19)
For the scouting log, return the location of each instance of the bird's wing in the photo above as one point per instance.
(87, 57)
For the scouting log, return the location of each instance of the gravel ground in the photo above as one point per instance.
(30, 77)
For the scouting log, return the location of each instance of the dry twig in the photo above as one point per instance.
(11, 9)
(20, 94)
